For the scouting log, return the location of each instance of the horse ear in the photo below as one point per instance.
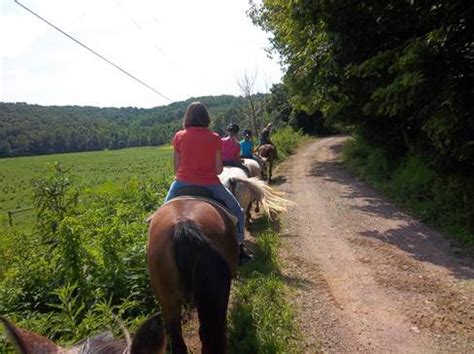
(26, 342)
(150, 337)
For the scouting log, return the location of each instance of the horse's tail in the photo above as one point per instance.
(272, 200)
(206, 279)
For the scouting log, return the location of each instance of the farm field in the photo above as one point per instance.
(85, 251)
(87, 169)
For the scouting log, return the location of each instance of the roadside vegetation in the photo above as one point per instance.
(287, 139)
(77, 260)
(442, 200)
(261, 319)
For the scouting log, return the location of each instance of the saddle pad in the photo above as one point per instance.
(207, 200)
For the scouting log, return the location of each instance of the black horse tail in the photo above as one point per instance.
(206, 279)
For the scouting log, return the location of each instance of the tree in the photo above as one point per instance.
(400, 72)
(252, 107)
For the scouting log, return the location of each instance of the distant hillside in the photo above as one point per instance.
(35, 130)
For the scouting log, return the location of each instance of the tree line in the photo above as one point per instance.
(400, 73)
(27, 129)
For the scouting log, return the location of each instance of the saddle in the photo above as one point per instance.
(200, 193)
(235, 164)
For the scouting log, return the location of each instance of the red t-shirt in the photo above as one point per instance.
(197, 147)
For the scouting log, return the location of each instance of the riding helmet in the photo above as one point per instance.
(233, 128)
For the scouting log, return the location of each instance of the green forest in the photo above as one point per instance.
(399, 72)
(27, 129)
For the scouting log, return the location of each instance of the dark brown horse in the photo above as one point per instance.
(269, 152)
(192, 256)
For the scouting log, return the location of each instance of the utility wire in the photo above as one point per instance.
(94, 52)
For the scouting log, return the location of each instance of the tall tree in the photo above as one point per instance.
(401, 72)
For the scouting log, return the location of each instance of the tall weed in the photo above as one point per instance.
(94, 239)
(286, 140)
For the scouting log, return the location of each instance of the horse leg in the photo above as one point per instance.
(212, 312)
(248, 216)
(165, 282)
(270, 166)
(172, 316)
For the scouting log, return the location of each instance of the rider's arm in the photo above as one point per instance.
(219, 166)
(237, 155)
(176, 161)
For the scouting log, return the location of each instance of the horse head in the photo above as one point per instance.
(149, 339)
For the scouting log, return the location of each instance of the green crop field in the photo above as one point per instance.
(88, 170)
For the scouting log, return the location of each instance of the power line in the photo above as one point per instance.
(93, 51)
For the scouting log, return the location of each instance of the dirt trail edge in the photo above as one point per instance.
(367, 277)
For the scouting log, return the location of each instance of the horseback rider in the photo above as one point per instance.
(231, 149)
(198, 162)
(247, 148)
(265, 135)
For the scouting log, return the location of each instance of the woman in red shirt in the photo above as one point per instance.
(198, 162)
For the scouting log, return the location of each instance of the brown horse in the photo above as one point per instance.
(192, 256)
(269, 152)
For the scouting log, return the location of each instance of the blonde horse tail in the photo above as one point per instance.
(272, 201)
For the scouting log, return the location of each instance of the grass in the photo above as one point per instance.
(90, 169)
(261, 320)
(286, 140)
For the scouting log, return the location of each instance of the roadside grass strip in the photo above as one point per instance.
(261, 320)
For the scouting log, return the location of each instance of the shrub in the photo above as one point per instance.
(286, 140)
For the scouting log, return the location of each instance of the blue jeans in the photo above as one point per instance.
(221, 192)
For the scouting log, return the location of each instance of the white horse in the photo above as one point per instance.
(248, 190)
(254, 168)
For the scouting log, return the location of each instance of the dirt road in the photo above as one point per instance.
(366, 276)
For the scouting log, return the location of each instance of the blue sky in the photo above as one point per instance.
(181, 48)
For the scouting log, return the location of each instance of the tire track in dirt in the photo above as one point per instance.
(368, 277)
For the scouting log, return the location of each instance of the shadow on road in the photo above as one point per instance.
(413, 237)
